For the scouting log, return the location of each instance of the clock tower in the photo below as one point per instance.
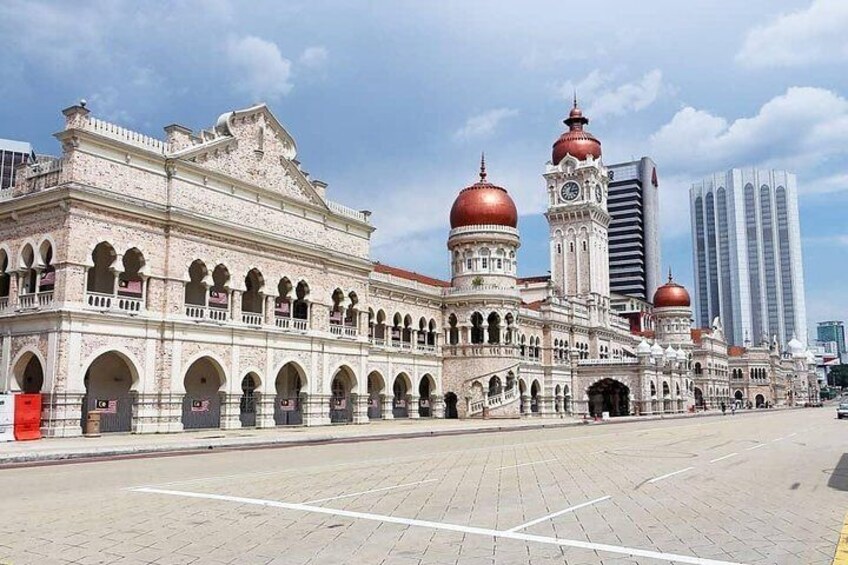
(577, 214)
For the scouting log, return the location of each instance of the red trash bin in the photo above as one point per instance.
(27, 416)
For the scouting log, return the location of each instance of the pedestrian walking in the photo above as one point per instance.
(723, 408)
(733, 409)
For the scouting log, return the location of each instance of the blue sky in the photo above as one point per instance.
(392, 102)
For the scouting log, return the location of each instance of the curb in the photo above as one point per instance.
(88, 455)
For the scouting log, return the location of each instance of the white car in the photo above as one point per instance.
(842, 411)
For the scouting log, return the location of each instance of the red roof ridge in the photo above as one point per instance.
(410, 275)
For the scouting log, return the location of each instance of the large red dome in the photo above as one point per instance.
(483, 203)
(671, 295)
(576, 142)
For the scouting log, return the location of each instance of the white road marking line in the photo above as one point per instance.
(792, 435)
(368, 491)
(555, 514)
(667, 475)
(778, 439)
(449, 527)
(526, 464)
(717, 459)
(759, 445)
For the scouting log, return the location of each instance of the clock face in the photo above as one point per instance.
(599, 193)
(570, 191)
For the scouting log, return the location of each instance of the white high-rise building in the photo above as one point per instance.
(746, 244)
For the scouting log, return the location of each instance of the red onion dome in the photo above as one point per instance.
(671, 295)
(483, 203)
(576, 142)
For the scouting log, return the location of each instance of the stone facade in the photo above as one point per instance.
(205, 281)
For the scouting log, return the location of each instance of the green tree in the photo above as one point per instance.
(838, 375)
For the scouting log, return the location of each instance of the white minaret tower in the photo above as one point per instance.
(577, 214)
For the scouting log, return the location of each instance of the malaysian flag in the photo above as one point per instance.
(107, 406)
(217, 298)
(200, 405)
(126, 287)
(287, 405)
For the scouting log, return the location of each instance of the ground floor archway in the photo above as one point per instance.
(247, 404)
(376, 388)
(108, 389)
(609, 395)
(400, 389)
(341, 405)
(29, 374)
(699, 398)
(451, 412)
(535, 391)
(760, 401)
(287, 402)
(202, 401)
(425, 391)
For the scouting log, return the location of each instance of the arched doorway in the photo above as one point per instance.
(699, 398)
(425, 390)
(557, 398)
(288, 384)
(376, 385)
(247, 404)
(341, 407)
(494, 386)
(759, 401)
(535, 389)
(400, 389)
(450, 406)
(30, 374)
(108, 383)
(738, 397)
(202, 401)
(609, 395)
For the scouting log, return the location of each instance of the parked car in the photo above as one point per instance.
(842, 411)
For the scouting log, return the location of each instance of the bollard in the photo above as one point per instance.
(92, 424)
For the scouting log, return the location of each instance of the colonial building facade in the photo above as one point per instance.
(204, 280)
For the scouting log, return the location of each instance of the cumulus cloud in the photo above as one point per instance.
(608, 99)
(314, 57)
(261, 69)
(802, 126)
(814, 35)
(483, 125)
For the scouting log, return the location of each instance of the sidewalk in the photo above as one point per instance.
(128, 445)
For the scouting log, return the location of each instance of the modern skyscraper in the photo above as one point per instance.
(746, 243)
(832, 330)
(12, 154)
(634, 235)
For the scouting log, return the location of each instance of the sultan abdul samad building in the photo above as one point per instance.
(205, 281)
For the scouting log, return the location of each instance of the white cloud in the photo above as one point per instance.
(314, 57)
(606, 99)
(483, 125)
(261, 70)
(814, 35)
(799, 128)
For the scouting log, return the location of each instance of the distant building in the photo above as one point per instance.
(12, 154)
(634, 238)
(832, 330)
(747, 255)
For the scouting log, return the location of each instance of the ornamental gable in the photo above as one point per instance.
(252, 146)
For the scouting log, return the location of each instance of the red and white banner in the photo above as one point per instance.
(288, 404)
(217, 298)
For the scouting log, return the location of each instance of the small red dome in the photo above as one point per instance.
(576, 141)
(671, 295)
(483, 203)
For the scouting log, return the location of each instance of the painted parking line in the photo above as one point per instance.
(352, 494)
(841, 556)
(526, 464)
(753, 447)
(667, 475)
(555, 514)
(728, 456)
(620, 550)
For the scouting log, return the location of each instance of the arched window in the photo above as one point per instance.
(477, 328)
(300, 311)
(453, 331)
(494, 321)
(101, 279)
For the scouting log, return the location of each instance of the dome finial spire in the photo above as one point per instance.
(575, 98)
(670, 278)
(482, 167)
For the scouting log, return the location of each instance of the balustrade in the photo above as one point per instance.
(251, 318)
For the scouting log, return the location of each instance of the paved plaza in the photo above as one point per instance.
(766, 487)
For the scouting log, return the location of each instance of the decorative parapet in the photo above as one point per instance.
(118, 133)
(342, 210)
(607, 362)
(507, 230)
(506, 291)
